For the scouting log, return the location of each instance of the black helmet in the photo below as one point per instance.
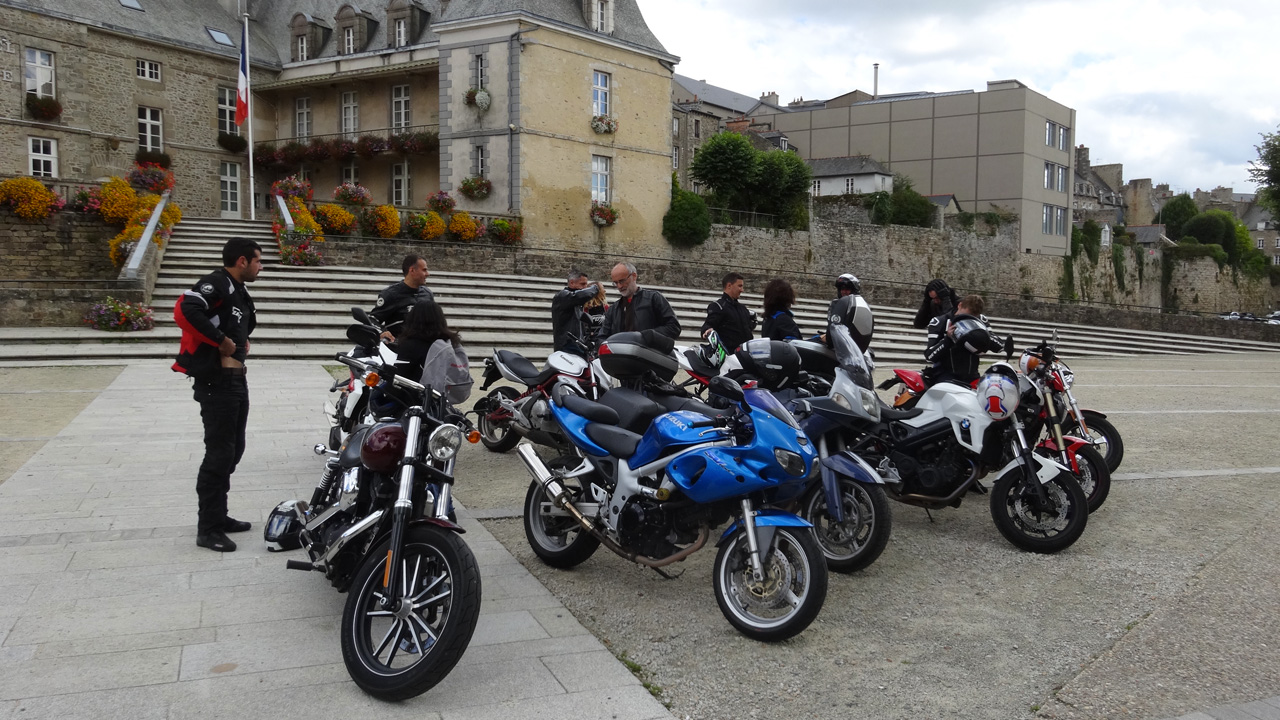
(850, 282)
(284, 529)
(773, 363)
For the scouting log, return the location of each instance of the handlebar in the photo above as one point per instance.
(396, 379)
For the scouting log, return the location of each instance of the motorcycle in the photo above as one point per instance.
(378, 527)
(1085, 423)
(653, 499)
(352, 407)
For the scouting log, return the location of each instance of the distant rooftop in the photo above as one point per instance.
(714, 95)
(846, 166)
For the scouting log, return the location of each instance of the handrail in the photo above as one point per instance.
(284, 212)
(140, 250)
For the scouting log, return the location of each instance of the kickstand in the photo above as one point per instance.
(926, 512)
(668, 575)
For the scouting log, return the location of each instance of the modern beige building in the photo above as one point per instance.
(1008, 147)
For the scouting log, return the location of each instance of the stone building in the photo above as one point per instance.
(691, 125)
(328, 68)
(1007, 147)
(1097, 192)
(724, 104)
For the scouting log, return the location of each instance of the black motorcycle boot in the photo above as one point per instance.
(216, 540)
(231, 525)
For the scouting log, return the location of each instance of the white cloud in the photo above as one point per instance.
(1178, 91)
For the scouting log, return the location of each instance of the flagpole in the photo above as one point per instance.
(253, 198)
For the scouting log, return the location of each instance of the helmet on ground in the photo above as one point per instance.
(283, 530)
(998, 391)
(775, 364)
(850, 282)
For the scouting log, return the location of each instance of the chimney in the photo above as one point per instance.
(1082, 160)
(875, 82)
(770, 97)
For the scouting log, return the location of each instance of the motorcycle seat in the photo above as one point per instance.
(620, 442)
(525, 370)
(697, 366)
(674, 403)
(911, 378)
(593, 411)
(887, 413)
(635, 411)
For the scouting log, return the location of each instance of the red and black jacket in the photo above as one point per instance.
(216, 307)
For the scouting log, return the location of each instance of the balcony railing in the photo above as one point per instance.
(343, 147)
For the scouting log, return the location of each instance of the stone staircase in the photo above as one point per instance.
(303, 313)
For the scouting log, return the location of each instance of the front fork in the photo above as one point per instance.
(1023, 448)
(1051, 414)
(1075, 410)
(757, 544)
(402, 513)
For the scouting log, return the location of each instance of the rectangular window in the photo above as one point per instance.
(149, 70)
(482, 78)
(350, 115)
(600, 182)
(697, 128)
(38, 72)
(400, 107)
(1064, 138)
(675, 157)
(480, 160)
(1278, 243)
(784, 144)
(1050, 133)
(1275, 259)
(1048, 176)
(402, 32)
(348, 40)
(675, 126)
(600, 93)
(229, 187)
(817, 187)
(400, 194)
(848, 186)
(43, 154)
(1046, 221)
(1261, 243)
(227, 111)
(1062, 179)
(351, 174)
(1060, 221)
(300, 44)
(150, 129)
(304, 173)
(602, 24)
(302, 117)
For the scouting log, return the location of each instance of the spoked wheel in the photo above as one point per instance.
(1093, 476)
(400, 644)
(1106, 439)
(857, 541)
(787, 599)
(555, 536)
(497, 435)
(1029, 523)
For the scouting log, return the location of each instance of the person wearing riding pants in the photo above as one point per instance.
(730, 319)
(956, 341)
(567, 316)
(639, 309)
(218, 313)
(396, 301)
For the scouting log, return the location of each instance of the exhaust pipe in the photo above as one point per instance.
(539, 471)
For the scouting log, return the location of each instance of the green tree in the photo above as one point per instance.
(909, 206)
(1175, 214)
(727, 164)
(1265, 171)
(688, 222)
(1218, 227)
(781, 188)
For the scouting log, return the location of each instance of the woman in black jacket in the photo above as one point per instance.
(779, 321)
(939, 300)
(424, 325)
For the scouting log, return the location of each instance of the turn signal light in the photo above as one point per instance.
(473, 437)
(372, 379)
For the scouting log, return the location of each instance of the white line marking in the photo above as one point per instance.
(1171, 474)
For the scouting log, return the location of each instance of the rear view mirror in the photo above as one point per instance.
(1008, 347)
(362, 335)
(361, 316)
(726, 388)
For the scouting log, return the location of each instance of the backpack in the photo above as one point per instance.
(197, 358)
(446, 369)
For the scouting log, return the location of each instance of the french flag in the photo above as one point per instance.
(242, 88)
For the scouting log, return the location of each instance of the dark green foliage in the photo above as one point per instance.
(1265, 171)
(1067, 283)
(152, 156)
(910, 207)
(233, 143)
(1216, 227)
(1117, 264)
(879, 207)
(1092, 236)
(1175, 213)
(739, 177)
(687, 223)
(727, 164)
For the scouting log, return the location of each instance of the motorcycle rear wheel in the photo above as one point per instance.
(1013, 508)
(440, 579)
(559, 541)
(789, 598)
(497, 436)
(855, 543)
(1104, 435)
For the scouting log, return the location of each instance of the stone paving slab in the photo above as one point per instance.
(109, 610)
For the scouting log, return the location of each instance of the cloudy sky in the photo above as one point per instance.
(1176, 90)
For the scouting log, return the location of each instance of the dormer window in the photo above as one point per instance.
(405, 22)
(401, 37)
(348, 40)
(309, 36)
(300, 49)
(599, 15)
(355, 28)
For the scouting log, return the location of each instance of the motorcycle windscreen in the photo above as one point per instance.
(850, 356)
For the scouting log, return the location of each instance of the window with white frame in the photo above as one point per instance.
(38, 72)
(150, 129)
(400, 193)
(148, 70)
(783, 144)
(1050, 133)
(1261, 243)
(1278, 243)
(602, 16)
(350, 114)
(601, 169)
(1046, 220)
(43, 156)
(302, 117)
(300, 47)
(600, 93)
(305, 174)
(481, 71)
(817, 187)
(479, 160)
(1062, 178)
(675, 157)
(1064, 138)
(1275, 259)
(400, 118)
(351, 174)
(697, 127)
(675, 126)
(848, 186)
(227, 111)
(401, 32)
(1059, 221)
(348, 40)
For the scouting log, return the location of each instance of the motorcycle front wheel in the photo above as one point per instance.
(403, 648)
(1026, 522)
(857, 542)
(497, 435)
(1094, 477)
(787, 599)
(1106, 439)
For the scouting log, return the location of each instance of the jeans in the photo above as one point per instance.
(224, 409)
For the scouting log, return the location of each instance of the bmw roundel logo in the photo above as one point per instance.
(964, 423)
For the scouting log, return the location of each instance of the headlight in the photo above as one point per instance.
(870, 403)
(791, 462)
(444, 441)
(842, 401)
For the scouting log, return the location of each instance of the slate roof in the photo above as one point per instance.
(846, 166)
(628, 22)
(713, 95)
(944, 200)
(1149, 234)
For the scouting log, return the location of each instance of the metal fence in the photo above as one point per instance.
(742, 218)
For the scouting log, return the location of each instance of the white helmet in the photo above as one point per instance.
(998, 391)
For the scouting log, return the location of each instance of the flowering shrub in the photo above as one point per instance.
(119, 316)
(382, 221)
(478, 98)
(292, 186)
(29, 198)
(334, 219)
(117, 200)
(85, 200)
(305, 227)
(603, 124)
(301, 254)
(44, 109)
(507, 232)
(603, 214)
(153, 156)
(463, 227)
(122, 244)
(318, 151)
(475, 188)
(352, 193)
(441, 202)
(342, 149)
(369, 146)
(232, 142)
(413, 143)
(427, 227)
(291, 154)
(150, 177)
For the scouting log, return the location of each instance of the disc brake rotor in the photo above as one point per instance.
(779, 574)
(1033, 518)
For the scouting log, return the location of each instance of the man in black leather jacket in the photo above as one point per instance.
(566, 311)
(939, 299)
(639, 309)
(730, 319)
(956, 341)
(395, 302)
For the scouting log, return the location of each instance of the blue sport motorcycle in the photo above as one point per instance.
(654, 498)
